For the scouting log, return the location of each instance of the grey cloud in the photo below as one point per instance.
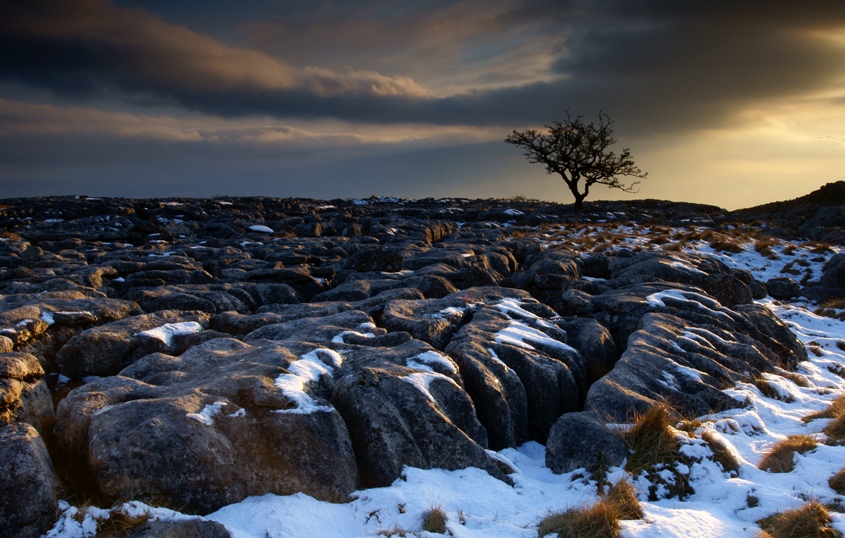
(654, 65)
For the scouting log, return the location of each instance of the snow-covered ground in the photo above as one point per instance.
(478, 505)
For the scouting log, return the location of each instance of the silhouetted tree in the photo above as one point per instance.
(578, 151)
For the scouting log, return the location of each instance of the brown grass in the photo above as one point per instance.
(835, 431)
(623, 496)
(434, 520)
(832, 309)
(766, 388)
(837, 482)
(837, 369)
(726, 245)
(810, 521)
(598, 521)
(798, 379)
(764, 247)
(780, 458)
(650, 440)
(721, 453)
(836, 409)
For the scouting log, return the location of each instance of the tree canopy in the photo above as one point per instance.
(578, 151)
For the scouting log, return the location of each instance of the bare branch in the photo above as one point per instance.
(577, 150)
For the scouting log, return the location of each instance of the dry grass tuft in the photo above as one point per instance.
(835, 431)
(623, 496)
(837, 482)
(598, 521)
(837, 369)
(764, 247)
(836, 409)
(434, 520)
(650, 440)
(798, 379)
(654, 450)
(780, 458)
(767, 389)
(834, 308)
(810, 521)
(721, 453)
(726, 245)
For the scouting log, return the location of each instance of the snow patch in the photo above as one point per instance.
(425, 360)
(166, 332)
(206, 416)
(308, 369)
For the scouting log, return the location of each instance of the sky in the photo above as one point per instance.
(728, 103)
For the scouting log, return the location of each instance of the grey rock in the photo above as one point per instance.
(24, 396)
(707, 273)
(106, 349)
(209, 428)
(28, 485)
(405, 406)
(595, 343)
(190, 528)
(783, 288)
(582, 441)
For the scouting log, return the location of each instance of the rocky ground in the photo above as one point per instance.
(191, 353)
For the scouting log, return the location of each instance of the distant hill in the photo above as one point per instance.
(830, 194)
(819, 215)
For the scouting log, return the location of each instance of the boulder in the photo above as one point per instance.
(552, 374)
(187, 528)
(28, 486)
(833, 278)
(687, 354)
(594, 342)
(782, 288)
(406, 406)
(582, 441)
(107, 349)
(727, 285)
(24, 396)
(223, 421)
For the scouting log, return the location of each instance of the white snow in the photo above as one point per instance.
(521, 335)
(450, 312)
(422, 380)
(338, 339)
(166, 332)
(261, 228)
(695, 299)
(425, 360)
(308, 369)
(206, 416)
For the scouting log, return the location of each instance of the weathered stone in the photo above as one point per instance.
(211, 427)
(404, 406)
(190, 528)
(595, 343)
(782, 288)
(707, 273)
(106, 349)
(28, 485)
(582, 441)
(688, 356)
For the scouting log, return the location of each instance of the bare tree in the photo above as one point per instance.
(578, 151)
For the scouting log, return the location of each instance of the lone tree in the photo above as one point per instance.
(578, 151)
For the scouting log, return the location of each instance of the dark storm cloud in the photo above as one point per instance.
(658, 64)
